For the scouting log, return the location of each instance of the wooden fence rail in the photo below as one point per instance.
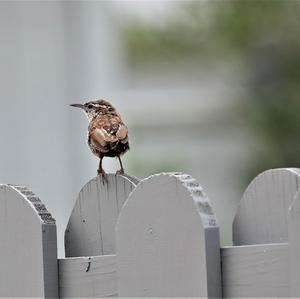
(155, 238)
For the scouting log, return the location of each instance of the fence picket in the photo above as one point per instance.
(294, 246)
(91, 227)
(28, 251)
(262, 213)
(168, 241)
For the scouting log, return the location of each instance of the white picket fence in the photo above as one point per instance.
(155, 238)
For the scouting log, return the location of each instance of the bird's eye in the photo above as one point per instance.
(90, 106)
(110, 109)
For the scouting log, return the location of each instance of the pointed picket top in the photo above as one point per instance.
(261, 216)
(91, 227)
(168, 240)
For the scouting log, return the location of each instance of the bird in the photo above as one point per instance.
(107, 134)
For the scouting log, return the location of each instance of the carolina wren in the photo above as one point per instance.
(107, 134)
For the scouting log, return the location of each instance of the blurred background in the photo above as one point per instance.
(210, 88)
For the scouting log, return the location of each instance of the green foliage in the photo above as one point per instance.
(265, 36)
(242, 24)
(202, 30)
(146, 44)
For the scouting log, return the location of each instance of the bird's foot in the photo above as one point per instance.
(120, 172)
(103, 175)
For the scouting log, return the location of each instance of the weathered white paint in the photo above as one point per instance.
(168, 240)
(88, 277)
(256, 271)
(28, 253)
(262, 213)
(91, 228)
(294, 246)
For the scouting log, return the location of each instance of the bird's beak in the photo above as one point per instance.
(78, 106)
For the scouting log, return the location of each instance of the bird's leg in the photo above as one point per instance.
(101, 171)
(121, 171)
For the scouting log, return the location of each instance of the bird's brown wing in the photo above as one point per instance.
(105, 132)
(122, 133)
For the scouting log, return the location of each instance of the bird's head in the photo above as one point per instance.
(96, 108)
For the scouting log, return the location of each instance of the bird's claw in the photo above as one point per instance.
(103, 175)
(120, 172)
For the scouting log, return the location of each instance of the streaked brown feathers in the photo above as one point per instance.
(107, 134)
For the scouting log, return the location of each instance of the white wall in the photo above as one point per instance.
(52, 54)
